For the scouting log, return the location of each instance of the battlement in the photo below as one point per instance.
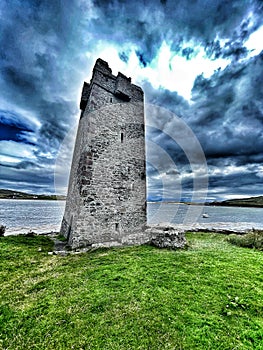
(105, 88)
(102, 66)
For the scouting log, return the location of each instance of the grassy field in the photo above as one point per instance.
(206, 297)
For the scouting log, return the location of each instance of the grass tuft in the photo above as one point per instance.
(253, 239)
(61, 238)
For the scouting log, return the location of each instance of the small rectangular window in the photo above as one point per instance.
(111, 100)
(117, 226)
(122, 137)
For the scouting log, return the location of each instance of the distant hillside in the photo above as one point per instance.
(8, 194)
(242, 202)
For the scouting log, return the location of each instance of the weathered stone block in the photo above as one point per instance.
(166, 236)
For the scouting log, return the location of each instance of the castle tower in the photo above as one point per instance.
(106, 201)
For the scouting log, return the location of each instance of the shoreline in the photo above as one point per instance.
(216, 227)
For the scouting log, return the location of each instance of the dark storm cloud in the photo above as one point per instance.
(234, 47)
(24, 165)
(241, 179)
(41, 43)
(147, 25)
(227, 115)
(164, 97)
(20, 177)
(17, 120)
(42, 48)
(13, 127)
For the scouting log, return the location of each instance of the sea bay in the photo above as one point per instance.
(41, 216)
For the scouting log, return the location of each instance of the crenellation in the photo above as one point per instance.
(109, 88)
(103, 66)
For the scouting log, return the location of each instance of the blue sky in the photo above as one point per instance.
(199, 60)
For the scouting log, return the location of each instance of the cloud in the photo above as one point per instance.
(49, 48)
(42, 50)
(17, 150)
(47, 39)
(226, 115)
(150, 25)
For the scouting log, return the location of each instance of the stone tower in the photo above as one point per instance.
(106, 202)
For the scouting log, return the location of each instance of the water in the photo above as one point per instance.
(21, 216)
(191, 216)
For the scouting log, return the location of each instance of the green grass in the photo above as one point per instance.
(252, 239)
(207, 297)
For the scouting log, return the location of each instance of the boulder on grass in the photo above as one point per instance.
(166, 236)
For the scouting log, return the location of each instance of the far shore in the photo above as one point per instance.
(253, 202)
(34, 199)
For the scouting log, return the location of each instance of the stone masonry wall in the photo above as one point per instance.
(106, 199)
